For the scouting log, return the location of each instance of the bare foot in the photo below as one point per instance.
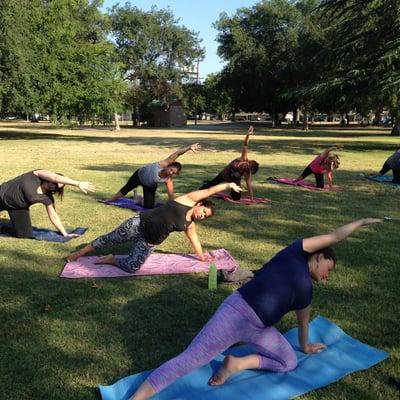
(228, 368)
(73, 256)
(108, 259)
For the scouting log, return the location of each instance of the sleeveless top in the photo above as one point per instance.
(159, 222)
(148, 175)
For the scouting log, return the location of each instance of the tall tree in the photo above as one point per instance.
(259, 46)
(155, 52)
(365, 51)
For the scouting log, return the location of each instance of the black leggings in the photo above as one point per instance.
(149, 192)
(216, 181)
(21, 223)
(396, 172)
(319, 178)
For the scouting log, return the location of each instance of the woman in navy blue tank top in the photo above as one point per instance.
(283, 284)
(152, 227)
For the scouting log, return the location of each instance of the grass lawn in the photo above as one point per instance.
(59, 338)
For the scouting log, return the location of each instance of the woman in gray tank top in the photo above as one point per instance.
(152, 227)
(150, 175)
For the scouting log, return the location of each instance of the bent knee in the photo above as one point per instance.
(290, 364)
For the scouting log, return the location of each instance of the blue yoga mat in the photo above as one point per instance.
(342, 356)
(51, 236)
(386, 179)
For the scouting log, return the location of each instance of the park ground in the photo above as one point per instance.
(60, 338)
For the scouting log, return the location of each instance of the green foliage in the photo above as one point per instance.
(56, 59)
(154, 51)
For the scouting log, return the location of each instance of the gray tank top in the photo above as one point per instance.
(148, 175)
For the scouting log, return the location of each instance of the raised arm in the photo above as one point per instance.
(192, 198)
(195, 147)
(244, 155)
(326, 152)
(315, 243)
(56, 178)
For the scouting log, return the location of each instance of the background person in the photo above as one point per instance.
(392, 163)
(236, 169)
(325, 163)
(152, 227)
(38, 186)
(151, 175)
(283, 284)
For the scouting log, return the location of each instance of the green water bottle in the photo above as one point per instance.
(212, 277)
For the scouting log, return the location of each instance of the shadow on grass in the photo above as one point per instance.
(60, 338)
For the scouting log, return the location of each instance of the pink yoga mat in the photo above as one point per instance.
(156, 264)
(246, 200)
(304, 184)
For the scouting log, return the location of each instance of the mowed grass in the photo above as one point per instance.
(60, 338)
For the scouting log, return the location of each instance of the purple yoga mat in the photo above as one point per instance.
(304, 184)
(156, 264)
(245, 200)
(129, 203)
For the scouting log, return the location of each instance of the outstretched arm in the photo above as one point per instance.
(56, 178)
(195, 242)
(326, 152)
(315, 243)
(195, 147)
(303, 317)
(192, 198)
(244, 155)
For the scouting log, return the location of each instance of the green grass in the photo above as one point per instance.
(97, 335)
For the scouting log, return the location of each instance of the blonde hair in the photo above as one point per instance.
(334, 160)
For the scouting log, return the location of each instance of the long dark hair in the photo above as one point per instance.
(59, 191)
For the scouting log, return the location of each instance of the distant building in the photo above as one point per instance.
(166, 115)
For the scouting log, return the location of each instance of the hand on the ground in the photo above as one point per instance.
(235, 187)
(86, 187)
(195, 147)
(314, 348)
(73, 256)
(72, 235)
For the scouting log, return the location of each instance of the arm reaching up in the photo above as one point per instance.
(315, 243)
(192, 198)
(195, 147)
(244, 155)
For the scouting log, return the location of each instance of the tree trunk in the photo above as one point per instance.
(116, 119)
(305, 120)
(396, 128)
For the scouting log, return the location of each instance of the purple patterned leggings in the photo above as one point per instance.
(234, 321)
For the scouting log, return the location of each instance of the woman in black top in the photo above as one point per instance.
(153, 227)
(236, 169)
(38, 186)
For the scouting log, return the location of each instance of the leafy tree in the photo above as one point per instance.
(365, 52)
(218, 100)
(155, 51)
(19, 58)
(259, 45)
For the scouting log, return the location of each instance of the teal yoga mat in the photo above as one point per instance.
(342, 356)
